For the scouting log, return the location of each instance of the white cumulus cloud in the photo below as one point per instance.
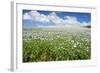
(26, 16)
(38, 17)
(85, 23)
(71, 20)
(54, 18)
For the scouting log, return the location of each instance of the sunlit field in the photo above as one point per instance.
(56, 44)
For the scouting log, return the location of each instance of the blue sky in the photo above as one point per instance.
(33, 18)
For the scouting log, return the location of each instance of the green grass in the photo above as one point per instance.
(56, 46)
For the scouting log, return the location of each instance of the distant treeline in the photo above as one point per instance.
(88, 26)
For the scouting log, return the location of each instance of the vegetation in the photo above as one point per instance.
(49, 44)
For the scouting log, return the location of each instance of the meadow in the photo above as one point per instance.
(56, 44)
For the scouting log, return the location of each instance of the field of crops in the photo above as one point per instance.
(56, 44)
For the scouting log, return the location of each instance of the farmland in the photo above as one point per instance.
(56, 44)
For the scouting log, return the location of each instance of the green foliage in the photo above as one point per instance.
(56, 47)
